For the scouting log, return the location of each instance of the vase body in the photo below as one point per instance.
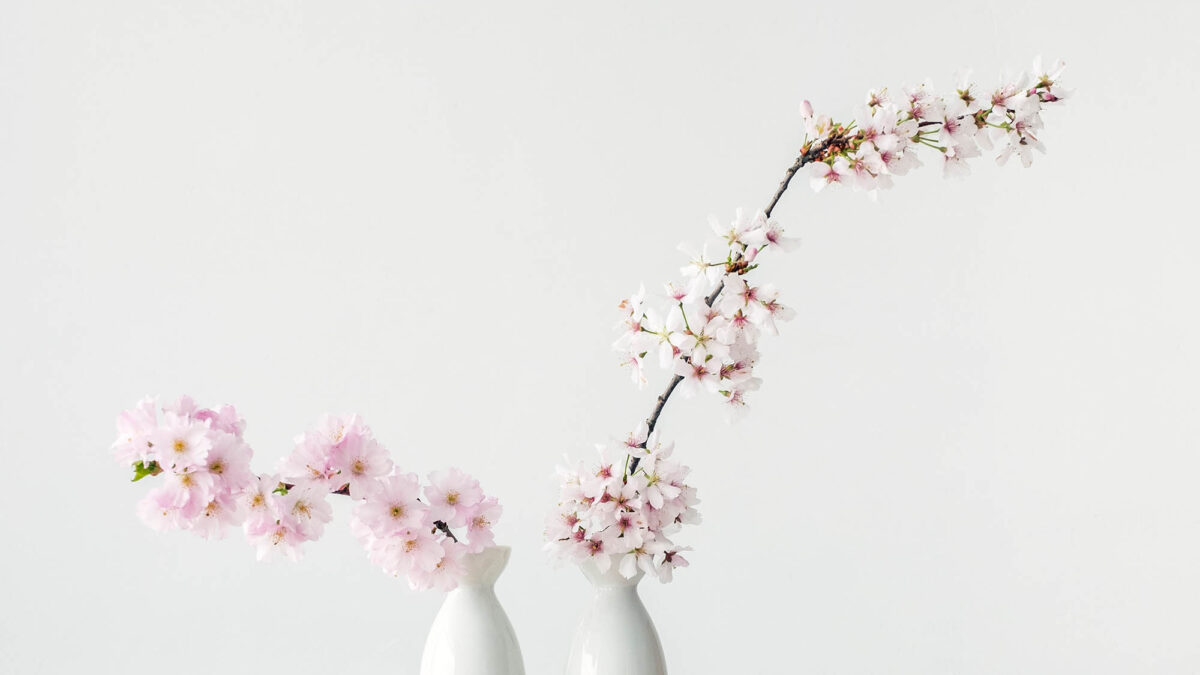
(616, 635)
(471, 634)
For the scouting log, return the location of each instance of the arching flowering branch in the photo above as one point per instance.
(706, 329)
(407, 529)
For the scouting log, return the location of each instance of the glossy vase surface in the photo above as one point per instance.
(616, 635)
(471, 634)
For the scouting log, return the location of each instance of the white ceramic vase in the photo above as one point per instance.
(471, 634)
(616, 635)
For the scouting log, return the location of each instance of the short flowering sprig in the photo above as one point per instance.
(707, 333)
(883, 139)
(407, 529)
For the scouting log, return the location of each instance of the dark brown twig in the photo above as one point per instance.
(441, 525)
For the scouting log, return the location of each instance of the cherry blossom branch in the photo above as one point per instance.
(625, 510)
(852, 153)
(207, 485)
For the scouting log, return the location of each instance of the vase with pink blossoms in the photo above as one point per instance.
(471, 634)
(616, 635)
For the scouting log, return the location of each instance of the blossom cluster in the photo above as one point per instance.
(885, 134)
(707, 333)
(613, 513)
(406, 536)
(408, 530)
(202, 455)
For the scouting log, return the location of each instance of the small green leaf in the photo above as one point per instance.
(142, 469)
(281, 489)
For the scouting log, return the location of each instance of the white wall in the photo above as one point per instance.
(975, 451)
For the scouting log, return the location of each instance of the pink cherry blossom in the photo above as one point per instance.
(451, 495)
(134, 428)
(228, 461)
(698, 373)
(672, 559)
(271, 538)
(180, 442)
(307, 508)
(310, 462)
(446, 574)
(358, 461)
(480, 520)
(831, 173)
(394, 506)
(220, 513)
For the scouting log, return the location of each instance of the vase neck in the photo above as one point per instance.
(483, 568)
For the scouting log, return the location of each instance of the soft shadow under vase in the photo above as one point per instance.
(616, 635)
(471, 634)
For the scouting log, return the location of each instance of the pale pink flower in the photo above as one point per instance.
(701, 266)
(632, 306)
(451, 495)
(965, 94)
(815, 126)
(359, 460)
(258, 500)
(310, 462)
(158, 510)
(448, 571)
(635, 442)
(698, 373)
(224, 418)
(921, 103)
(394, 506)
(220, 512)
(604, 477)
(180, 443)
(480, 520)
(188, 491)
(671, 559)
(772, 234)
(134, 429)
(600, 547)
(829, 173)
(640, 558)
(228, 461)
(700, 333)
(735, 402)
(955, 160)
(420, 549)
(184, 406)
(632, 527)
(271, 537)
(335, 430)
(305, 506)
(637, 371)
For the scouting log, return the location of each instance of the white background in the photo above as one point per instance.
(976, 447)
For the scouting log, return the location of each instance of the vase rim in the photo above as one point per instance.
(611, 578)
(484, 567)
